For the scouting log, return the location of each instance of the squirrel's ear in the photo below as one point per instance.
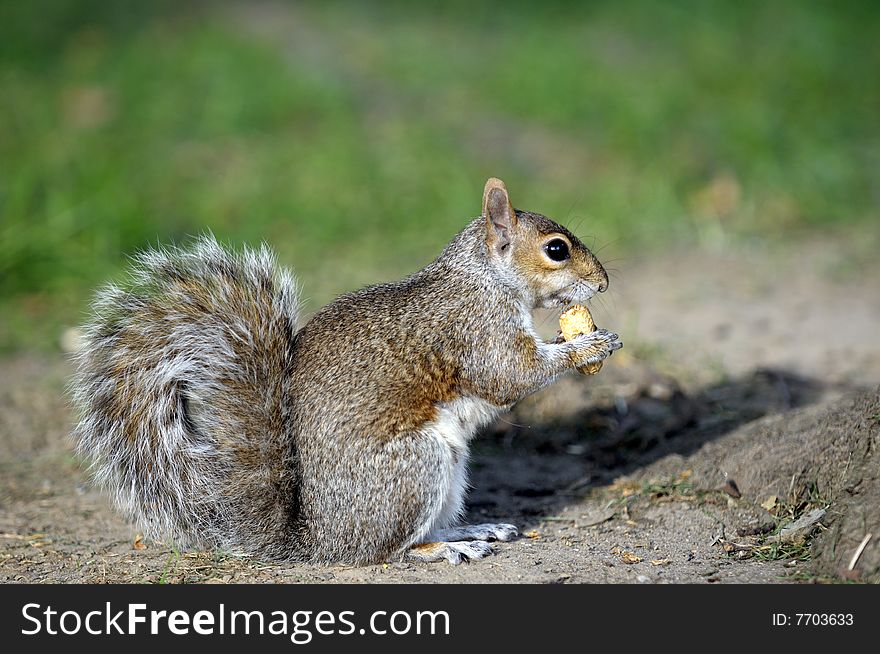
(499, 214)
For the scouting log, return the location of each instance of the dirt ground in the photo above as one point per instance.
(746, 399)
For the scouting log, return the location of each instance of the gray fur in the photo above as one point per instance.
(213, 422)
(174, 389)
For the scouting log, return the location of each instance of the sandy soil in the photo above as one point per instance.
(746, 398)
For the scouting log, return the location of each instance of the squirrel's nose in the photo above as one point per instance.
(603, 285)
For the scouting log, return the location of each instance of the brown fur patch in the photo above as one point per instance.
(428, 550)
(432, 381)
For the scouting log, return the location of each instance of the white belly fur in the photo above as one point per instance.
(456, 424)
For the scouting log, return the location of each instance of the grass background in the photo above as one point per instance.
(355, 137)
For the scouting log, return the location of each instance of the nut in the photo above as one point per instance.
(575, 321)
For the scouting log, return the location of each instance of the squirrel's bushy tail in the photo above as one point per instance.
(182, 385)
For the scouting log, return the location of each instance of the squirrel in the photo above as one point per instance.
(214, 422)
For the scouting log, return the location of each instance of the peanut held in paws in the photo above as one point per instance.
(577, 320)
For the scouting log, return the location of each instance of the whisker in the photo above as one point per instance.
(601, 301)
(514, 424)
(576, 226)
(579, 199)
(612, 300)
(617, 240)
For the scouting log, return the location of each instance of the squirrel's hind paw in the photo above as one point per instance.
(488, 531)
(455, 551)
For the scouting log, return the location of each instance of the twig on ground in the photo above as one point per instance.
(859, 550)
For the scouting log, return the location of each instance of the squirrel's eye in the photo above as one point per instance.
(557, 249)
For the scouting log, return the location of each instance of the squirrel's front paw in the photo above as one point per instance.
(594, 347)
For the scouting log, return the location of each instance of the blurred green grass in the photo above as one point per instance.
(355, 137)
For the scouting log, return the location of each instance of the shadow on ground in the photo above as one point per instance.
(801, 442)
(591, 435)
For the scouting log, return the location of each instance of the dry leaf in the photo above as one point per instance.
(533, 534)
(769, 503)
(626, 556)
(660, 561)
(139, 543)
